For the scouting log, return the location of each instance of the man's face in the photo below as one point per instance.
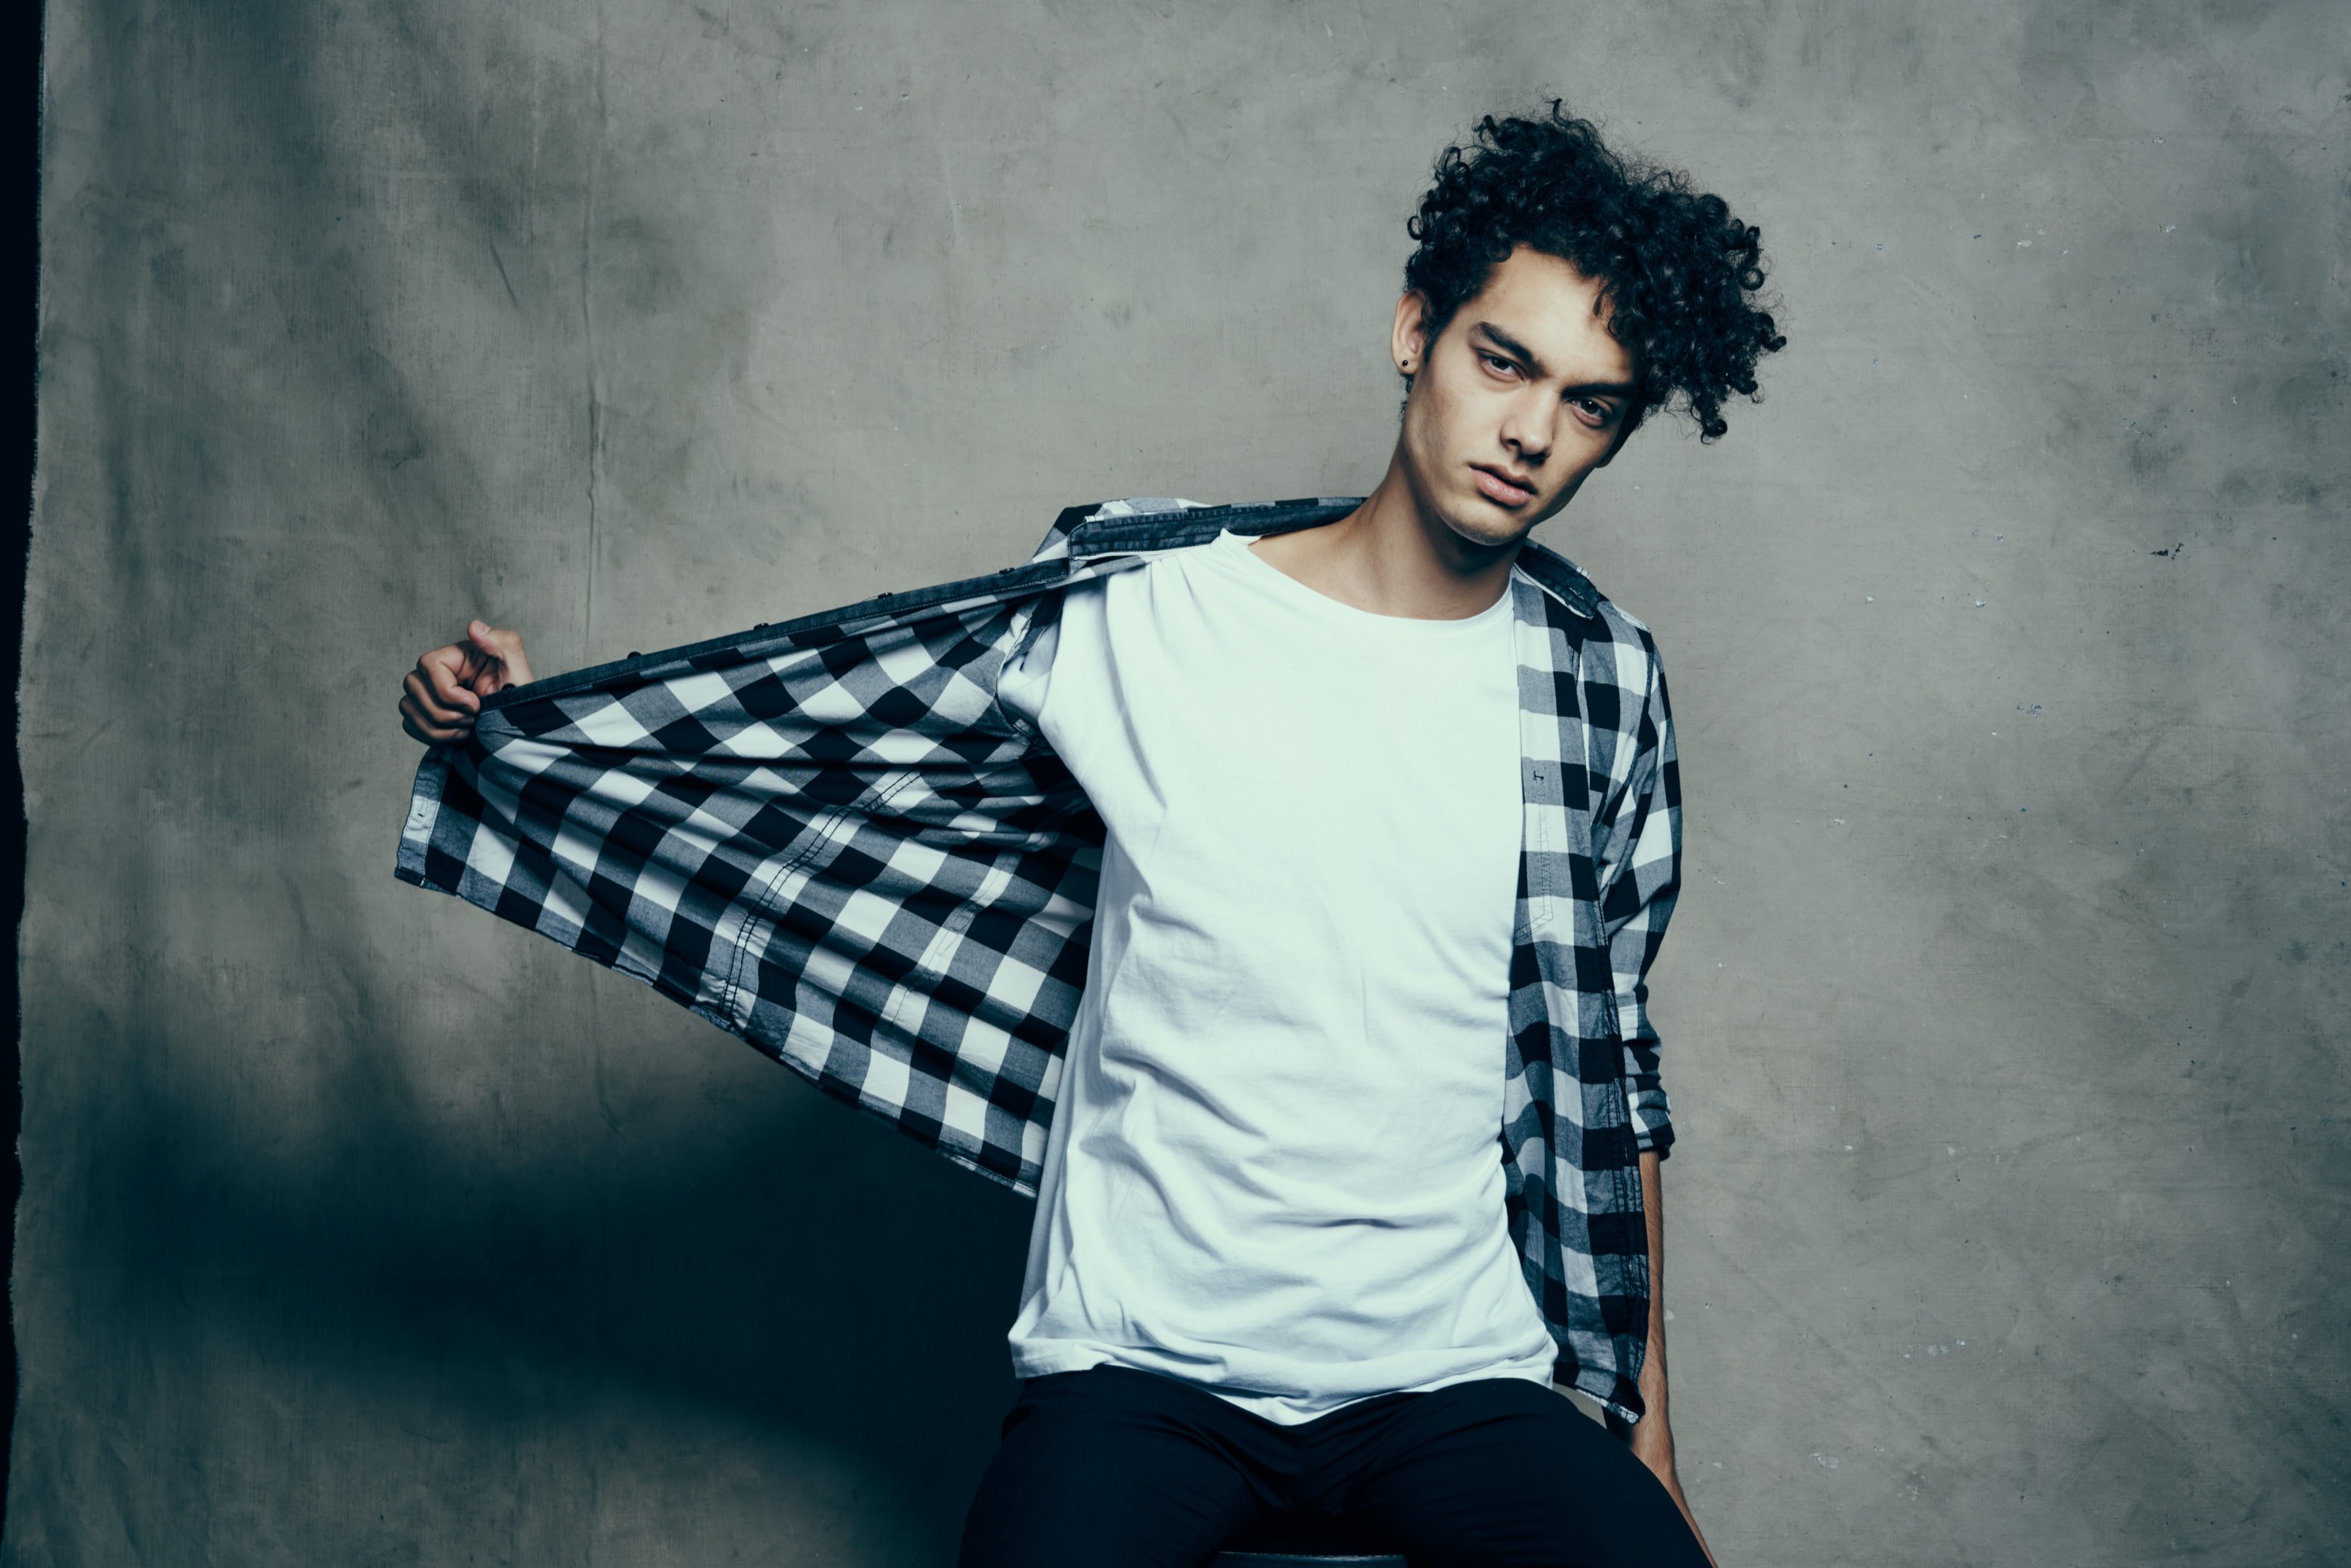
(1521, 395)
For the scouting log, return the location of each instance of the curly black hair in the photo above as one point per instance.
(1679, 274)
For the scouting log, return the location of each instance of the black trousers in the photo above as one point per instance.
(1116, 1468)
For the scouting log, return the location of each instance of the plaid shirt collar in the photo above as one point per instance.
(827, 837)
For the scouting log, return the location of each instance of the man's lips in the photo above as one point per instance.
(1500, 488)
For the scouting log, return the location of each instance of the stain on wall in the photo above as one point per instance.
(2007, 635)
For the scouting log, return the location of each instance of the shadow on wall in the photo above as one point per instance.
(801, 1268)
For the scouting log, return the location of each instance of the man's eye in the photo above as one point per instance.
(1495, 361)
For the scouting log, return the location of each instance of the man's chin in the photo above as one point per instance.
(1486, 525)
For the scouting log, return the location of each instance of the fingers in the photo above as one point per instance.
(451, 675)
(442, 698)
(502, 651)
(437, 705)
(432, 712)
(420, 729)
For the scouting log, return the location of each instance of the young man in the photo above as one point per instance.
(1268, 889)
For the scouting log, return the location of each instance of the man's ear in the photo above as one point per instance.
(1407, 342)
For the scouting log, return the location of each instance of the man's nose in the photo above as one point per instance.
(1527, 425)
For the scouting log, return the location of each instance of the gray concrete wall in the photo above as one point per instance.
(2004, 1008)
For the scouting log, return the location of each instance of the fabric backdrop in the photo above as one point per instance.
(2003, 1010)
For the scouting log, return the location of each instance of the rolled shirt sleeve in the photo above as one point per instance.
(1640, 876)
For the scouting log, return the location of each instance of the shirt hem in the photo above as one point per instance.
(1282, 1410)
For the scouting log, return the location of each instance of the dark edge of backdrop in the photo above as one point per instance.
(20, 270)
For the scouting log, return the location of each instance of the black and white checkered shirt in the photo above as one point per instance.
(827, 836)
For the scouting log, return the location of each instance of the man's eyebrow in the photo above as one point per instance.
(1520, 351)
(1512, 347)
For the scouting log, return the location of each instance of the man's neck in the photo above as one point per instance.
(1393, 555)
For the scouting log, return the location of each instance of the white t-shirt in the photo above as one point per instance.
(1275, 1168)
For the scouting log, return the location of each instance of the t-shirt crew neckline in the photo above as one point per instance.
(1235, 546)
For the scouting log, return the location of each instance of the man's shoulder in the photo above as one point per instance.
(1566, 582)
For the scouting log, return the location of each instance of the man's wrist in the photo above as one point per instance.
(1653, 1435)
(1653, 1380)
(1653, 1445)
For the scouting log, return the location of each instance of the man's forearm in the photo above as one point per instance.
(1653, 1364)
(1652, 1436)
